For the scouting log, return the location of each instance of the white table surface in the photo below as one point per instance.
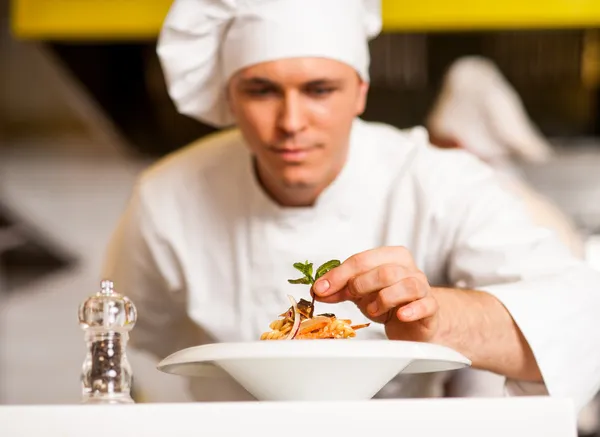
(498, 417)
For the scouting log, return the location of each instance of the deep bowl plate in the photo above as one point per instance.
(300, 370)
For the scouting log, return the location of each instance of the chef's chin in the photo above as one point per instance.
(300, 179)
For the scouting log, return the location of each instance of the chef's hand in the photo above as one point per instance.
(388, 288)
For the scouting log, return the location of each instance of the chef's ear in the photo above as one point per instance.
(361, 101)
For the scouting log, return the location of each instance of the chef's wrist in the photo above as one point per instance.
(477, 325)
(451, 328)
(464, 324)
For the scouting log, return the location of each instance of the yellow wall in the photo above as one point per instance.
(138, 19)
(481, 14)
(94, 19)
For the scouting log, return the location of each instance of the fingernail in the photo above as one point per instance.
(407, 313)
(321, 286)
(372, 308)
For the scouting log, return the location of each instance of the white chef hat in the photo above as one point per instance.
(204, 42)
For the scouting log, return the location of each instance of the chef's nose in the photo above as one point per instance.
(292, 117)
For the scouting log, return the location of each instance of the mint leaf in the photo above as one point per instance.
(309, 269)
(301, 267)
(304, 280)
(306, 269)
(329, 265)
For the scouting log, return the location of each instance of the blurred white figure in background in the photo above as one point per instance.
(478, 110)
(475, 95)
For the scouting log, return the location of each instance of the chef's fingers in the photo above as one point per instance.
(406, 290)
(381, 277)
(337, 278)
(341, 296)
(418, 310)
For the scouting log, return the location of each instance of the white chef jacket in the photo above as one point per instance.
(205, 254)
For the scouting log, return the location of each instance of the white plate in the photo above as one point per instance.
(313, 369)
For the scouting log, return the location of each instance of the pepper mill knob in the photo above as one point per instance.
(107, 286)
(106, 317)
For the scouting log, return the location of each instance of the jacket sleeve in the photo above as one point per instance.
(552, 296)
(144, 267)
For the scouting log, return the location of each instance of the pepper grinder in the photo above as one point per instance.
(106, 317)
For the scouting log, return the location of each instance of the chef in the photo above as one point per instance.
(432, 248)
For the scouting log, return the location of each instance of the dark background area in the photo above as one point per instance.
(407, 69)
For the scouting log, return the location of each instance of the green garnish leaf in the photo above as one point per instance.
(329, 265)
(307, 270)
(303, 280)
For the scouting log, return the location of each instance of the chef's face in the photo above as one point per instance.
(296, 116)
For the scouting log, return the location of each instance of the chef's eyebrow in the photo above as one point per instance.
(324, 82)
(257, 81)
(261, 81)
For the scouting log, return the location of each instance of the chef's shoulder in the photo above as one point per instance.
(410, 151)
(453, 179)
(452, 169)
(191, 169)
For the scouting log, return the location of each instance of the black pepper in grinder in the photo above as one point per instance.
(106, 317)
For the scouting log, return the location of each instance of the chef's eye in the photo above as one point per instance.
(262, 91)
(320, 91)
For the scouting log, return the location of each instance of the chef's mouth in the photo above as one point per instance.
(292, 150)
(293, 156)
(294, 153)
(291, 147)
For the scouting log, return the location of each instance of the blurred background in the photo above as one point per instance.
(83, 108)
